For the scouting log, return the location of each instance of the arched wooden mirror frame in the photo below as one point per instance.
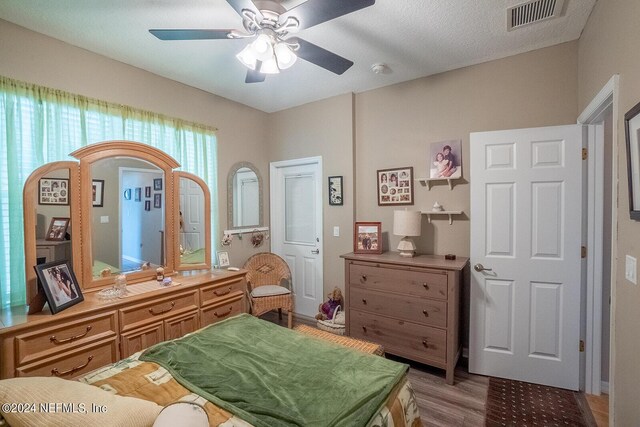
(230, 195)
(30, 193)
(207, 215)
(88, 156)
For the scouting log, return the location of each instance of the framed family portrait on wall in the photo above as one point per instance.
(367, 238)
(59, 284)
(53, 191)
(445, 159)
(395, 186)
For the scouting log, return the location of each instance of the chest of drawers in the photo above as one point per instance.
(411, 306)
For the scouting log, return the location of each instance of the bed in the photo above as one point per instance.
(248, 372)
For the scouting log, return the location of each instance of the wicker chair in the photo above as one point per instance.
(266, 269)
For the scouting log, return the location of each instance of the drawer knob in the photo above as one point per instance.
(364, 301)
(57, 373)
(364, 329)
(215, 313)
(364, 277)
(425, 285)
(425, 343)
(426, 313)
(54, 340)
(173, 303)
(219, 294)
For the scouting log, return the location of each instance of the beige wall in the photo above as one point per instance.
(323, 128)
(608, 45)
(35, 58)
(395, 124)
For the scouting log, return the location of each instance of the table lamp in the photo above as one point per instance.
(407, 224)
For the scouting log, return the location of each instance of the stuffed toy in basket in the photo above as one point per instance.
(331, 317)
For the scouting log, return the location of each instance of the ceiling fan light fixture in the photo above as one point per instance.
(248, 57)
(285, 56)
(269, 66)
(263, 47)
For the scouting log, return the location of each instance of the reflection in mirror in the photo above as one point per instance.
(127, 216)
(192, 222)
(53, 213)
(245, 199)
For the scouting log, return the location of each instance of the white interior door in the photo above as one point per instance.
(526, 230)
(296, 227)
(192, 209)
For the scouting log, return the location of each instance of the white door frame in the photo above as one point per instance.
(276, 211)
(607, 96)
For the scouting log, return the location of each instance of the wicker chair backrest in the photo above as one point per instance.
(266, 268)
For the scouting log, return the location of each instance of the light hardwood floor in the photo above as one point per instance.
(599, 408)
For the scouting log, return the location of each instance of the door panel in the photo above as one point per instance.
(526, 210)
(296, 223)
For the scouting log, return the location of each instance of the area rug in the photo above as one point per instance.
(516, 403)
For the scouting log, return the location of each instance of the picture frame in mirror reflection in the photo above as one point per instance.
(157, 184)
(57, 229)
(223, 259)
(157, 200)
(53, 191)
(60, 286)
(97, 188)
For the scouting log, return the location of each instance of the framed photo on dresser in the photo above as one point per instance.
(367, 238)
(59, 284)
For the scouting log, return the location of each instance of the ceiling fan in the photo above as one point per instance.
(269, 23)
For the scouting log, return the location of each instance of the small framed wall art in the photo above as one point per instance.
(367, 238)
(157, 200)
(335, 191)
(157, 184)
(632, 136)
(395, 186)
(223, 259)
(53, 191)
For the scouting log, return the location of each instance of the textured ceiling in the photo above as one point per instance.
(415, 38)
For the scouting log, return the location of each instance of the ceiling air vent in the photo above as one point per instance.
(532, 12)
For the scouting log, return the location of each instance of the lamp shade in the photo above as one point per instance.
(407, 223)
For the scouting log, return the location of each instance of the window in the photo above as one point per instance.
(39, 125)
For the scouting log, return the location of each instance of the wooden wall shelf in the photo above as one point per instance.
(449, 213)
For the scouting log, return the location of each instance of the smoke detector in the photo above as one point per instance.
(380, 68)
(533, 11)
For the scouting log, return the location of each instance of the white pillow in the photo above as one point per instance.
(269, 290)
(182, 414)
(78, 405)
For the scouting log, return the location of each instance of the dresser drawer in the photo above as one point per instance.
(216, 292)
(75, 363)
(420, 310)
(416, 342)
(217, 312)
(152, 311)
(422, 283)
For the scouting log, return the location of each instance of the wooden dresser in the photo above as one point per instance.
(409, 305)
(95, 333)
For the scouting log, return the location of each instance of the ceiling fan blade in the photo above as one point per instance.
(314, 12)
(321, 57)
(191, 34)
(254, 77)
(238, 5)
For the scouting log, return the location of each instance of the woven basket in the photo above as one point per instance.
(335, 325)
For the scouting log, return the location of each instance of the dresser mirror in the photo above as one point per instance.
(244, 196)
(194, 231)
(127, 216)
(51, 204)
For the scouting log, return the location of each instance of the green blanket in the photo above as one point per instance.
(272, 376)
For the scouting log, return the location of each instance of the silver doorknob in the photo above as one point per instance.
(315, 251)
(480, 267)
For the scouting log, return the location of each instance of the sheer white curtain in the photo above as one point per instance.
(39, 125)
